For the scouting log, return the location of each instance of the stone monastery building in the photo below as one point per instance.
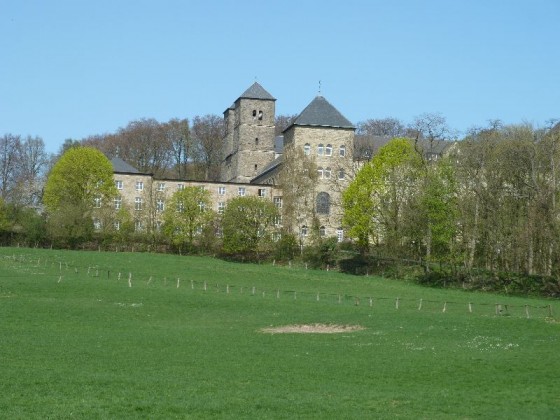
(254, 161)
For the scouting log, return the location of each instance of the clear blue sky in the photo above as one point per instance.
(72, 68)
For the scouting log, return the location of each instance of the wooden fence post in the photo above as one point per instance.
(397, 303)
(420, 305)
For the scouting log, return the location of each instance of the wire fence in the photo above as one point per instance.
(60, 271)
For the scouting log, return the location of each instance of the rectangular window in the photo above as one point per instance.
(262, 192)
(241, 192)
(342, 151)
(117, 225)
(201, 206)
(118, 202)
(97, 224)
(119, 184)
(278, 202)
(221, 207)
(139, 186)
(221, 190)
(328, 150)
(161, 186)
(160, 206)
(180, 187)
(339, 235)
(138, 203)
(97, 202)
(278, 220)
(138, 226)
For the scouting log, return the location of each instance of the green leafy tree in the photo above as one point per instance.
(80, 182)
(248, 224)
(187, 214)
(375, 202)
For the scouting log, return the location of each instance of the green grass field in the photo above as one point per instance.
(78, 342)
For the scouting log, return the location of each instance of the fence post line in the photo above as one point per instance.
(370, 301)
(550, 310)
(470, 307)
(192, 284)
(278, 294)
(205, 285)
(527, 311)
(420, 305)
(317, 296)
(129, 279)
(444, 307)
(339, 298)
(253, 291)
(178, 280)
(227, 289)
(397, 303)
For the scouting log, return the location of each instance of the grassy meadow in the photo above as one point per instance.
(132, 335)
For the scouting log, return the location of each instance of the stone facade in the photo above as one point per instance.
(249, 137)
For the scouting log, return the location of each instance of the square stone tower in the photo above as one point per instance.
(249, 136)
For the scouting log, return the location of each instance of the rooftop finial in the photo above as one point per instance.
(319, 88)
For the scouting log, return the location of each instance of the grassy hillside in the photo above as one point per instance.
(78, 341)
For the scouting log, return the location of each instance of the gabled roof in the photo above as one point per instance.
(120, 166)
(256, 91)
(322, 114)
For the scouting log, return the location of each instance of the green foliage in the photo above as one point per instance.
(187, 214)
(4, 223)
(322, 254)
(287, 247)
(248, 224)
(80, 176)
(375, 200)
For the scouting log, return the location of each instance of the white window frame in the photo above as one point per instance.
(160, 205)
(307, 149)
(221, 207)
(117, 201)
(139, 186)
(161, 186)
(138, 202)
(119, 184)
(221, 190)
(339, 235)
(320, 149)
(342, 151)
(241, 191)
(277, 202)
(328, 150)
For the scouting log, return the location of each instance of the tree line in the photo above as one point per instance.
(484, 215)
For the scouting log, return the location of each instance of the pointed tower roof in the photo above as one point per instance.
(256, 91)
(321, 113)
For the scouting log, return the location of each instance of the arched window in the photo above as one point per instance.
(342, 151)
(303, 231)
(307, 149)
(328, 150)
(320, 150)
(323, 203)
(320, 172)
(327, 173)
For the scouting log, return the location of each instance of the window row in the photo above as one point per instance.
(325, 173)
(323, 150)
(160, 204)
(241, 191)
(304, 231)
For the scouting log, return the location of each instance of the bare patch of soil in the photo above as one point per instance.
(312, 329)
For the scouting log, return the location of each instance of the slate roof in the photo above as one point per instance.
(322, 114)
(120, 166)
(256, 91)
